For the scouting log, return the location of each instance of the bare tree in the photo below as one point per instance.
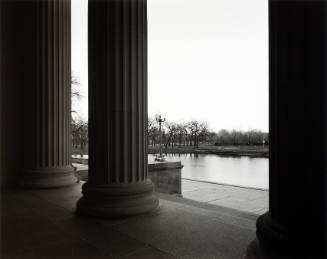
(181, 131)
(153, 131)
(197, 129)
(172, 132)
(79, 134)
(75, 91)
(79, 128)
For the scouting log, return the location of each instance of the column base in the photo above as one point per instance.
(117, 200)
(256, 251)
(273, 242)
(48, 178)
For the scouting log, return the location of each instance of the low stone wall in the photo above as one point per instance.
(166, 176)
(80, 160)
(81, 171)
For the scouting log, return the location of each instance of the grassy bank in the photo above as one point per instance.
(251, 151)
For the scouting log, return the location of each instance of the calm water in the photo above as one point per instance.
(242, 171)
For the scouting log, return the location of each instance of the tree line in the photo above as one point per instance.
(177, 134)
(235, 137)
(184, 134)
(192, 134)
(195, 133)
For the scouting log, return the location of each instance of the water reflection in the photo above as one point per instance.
(241, 171)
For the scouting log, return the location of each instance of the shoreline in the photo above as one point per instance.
(230, 151)
(227, 151)
(226, 184)
(82, 172)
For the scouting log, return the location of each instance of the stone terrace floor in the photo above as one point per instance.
(240, 198)
(42, 224)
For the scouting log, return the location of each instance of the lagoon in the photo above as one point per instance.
(239, 171)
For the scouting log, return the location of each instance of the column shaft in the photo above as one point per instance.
(295, 226)
(47, 101)
(118, 183)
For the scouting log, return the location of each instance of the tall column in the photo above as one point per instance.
(295, 226)
(118, 183)
(47, 98)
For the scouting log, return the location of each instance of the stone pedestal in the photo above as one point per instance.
(46, 105)
(295, 226)
(166, 176)
(118, 183)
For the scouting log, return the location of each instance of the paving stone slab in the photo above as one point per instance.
(240, 198)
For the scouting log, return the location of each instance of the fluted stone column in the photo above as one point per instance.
(47, 97)
(118, 183)
(295, 226)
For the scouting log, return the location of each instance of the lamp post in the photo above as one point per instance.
(160, 120)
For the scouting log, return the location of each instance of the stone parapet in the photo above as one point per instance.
(166, 176)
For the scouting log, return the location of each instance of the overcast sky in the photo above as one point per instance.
(208, 60)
